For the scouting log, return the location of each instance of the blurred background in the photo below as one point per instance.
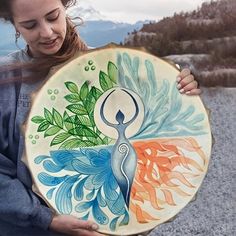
(199, 34)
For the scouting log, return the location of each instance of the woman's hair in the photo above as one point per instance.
(6, 12)
(71, 46)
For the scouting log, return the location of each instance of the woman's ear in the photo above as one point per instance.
(17, 36)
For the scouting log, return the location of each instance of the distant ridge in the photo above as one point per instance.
(204, 39)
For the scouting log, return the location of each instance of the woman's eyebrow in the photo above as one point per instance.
(52, 11)
(31, 21)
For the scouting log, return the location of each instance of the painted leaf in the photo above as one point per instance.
(43, 126)
(50, 192)
(64, 157)
(125, 220)
(49, 180)
(90, 102)
(79, 190)
(37, 119)
(112, 72)
(76, 143)
(57, 118)
(48, 116)
(72, 87)
(101, 200)
(78, 131)
(85, 121)
(151, 76)
(106, 140)
(91, 117)
(114, 223)
(63, 197)
(84, 90)
(98, 214)
(89, 132)
(52, 131)
(118, 206)
(73, 98)
(100, 141)
(87, 169)
(104, 81)
(77, 109)
(60, 138)
(83, 206)
(68, 121)
(52, 167)
(96, 92)
(100, 178)
(110, 193)
(40, 158)
(90, 196)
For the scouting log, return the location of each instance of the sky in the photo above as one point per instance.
(135, 10)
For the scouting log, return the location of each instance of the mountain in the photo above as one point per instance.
(204, 39)
(99, 33)
(96, 29)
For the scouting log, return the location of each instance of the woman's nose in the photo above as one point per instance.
(46, 30)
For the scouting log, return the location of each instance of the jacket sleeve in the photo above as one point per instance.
(18, 204)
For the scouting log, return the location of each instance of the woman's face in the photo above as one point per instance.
(42, 23)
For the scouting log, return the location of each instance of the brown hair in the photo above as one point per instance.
(71, 46)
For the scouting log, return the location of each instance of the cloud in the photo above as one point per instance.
(128, 10)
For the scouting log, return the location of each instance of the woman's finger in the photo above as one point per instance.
(194, 92)
(87, 225)
(185, 72)
(185, 81)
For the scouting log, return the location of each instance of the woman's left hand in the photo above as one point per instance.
(187, 84)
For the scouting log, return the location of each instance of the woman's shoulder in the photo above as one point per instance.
(16, 56)
(7, 72)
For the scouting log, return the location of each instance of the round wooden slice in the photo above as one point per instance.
(109, 138)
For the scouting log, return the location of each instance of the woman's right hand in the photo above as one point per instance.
(70, 225)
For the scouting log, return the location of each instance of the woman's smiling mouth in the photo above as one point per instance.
(49, 43)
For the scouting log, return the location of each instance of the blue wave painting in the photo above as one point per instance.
(93, 186)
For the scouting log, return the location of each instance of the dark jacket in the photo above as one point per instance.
(22, 212)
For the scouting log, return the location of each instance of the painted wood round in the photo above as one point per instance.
(109, 138)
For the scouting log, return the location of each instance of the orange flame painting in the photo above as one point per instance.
(158, 162)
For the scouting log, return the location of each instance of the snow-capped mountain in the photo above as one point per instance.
(96, 29)
(85, 11)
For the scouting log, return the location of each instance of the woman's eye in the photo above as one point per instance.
(29, 25)
(53, 17)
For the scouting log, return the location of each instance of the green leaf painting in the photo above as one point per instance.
(72, 87)
(112, 72)
(75, 127)
(105, 81)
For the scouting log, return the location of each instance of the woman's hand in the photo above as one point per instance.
(187, 84)
(70, 225)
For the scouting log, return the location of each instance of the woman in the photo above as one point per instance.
(51, 40)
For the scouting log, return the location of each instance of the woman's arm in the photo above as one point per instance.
(18, 204)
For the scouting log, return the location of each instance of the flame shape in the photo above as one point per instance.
(157, 160)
